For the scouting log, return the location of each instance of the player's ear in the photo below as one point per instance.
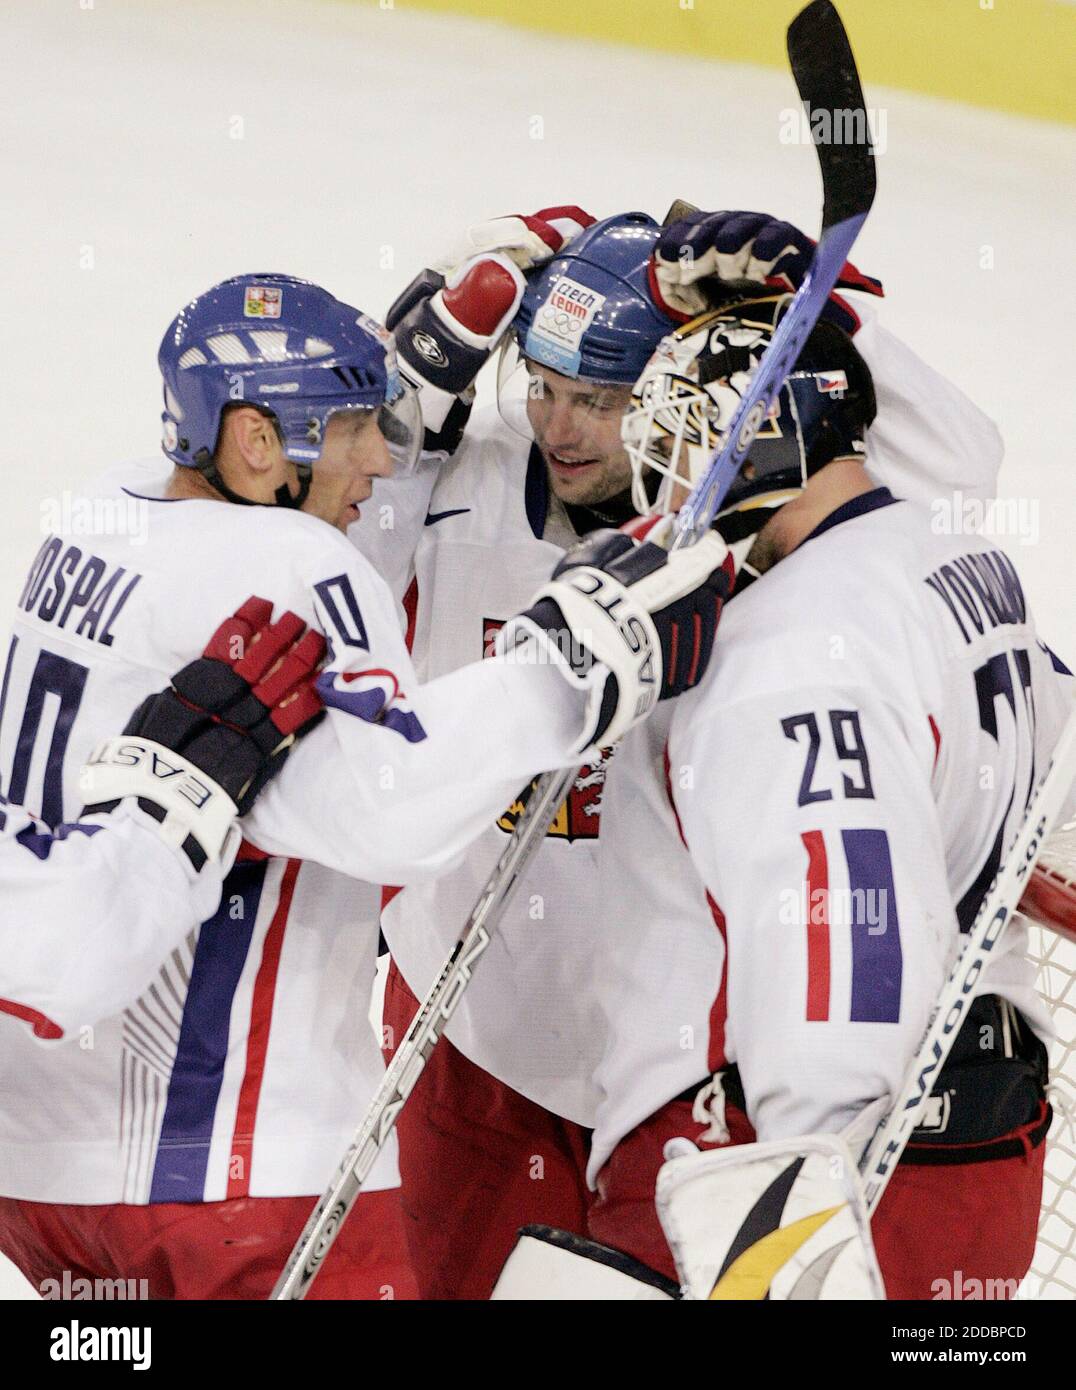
(254, 438)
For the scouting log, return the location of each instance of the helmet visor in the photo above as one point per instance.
(400, 420)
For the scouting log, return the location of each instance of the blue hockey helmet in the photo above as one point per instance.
(291, 350)
(589, 312)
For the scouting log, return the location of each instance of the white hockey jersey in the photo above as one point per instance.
(63, 963)
(790, 853)
(527, 1014)
(490, 538)
(245, 1066)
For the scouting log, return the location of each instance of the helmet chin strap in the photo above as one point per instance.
(740, 531)
(282, 497)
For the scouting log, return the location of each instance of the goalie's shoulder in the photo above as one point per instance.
(832, 614)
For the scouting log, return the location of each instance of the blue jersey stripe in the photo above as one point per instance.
(40, 842)
(179, 1170)
(3, 706)
(877, 958)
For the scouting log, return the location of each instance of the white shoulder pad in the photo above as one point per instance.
(786, 1219)
(550, 1265)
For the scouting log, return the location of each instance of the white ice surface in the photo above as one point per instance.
(370, 136)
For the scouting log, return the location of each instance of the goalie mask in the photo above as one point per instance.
(689, 391)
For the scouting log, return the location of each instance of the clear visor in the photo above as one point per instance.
(401, 424)
(528, 394)
(399, 420)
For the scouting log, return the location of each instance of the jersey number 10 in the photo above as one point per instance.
(65, 681)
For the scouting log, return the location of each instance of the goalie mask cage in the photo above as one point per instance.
(1049, 907)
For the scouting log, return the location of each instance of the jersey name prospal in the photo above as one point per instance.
(95, 591)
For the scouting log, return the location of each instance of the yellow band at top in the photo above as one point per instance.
(1010, 55)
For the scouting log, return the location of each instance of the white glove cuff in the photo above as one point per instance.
(195, 807)
(602, 617)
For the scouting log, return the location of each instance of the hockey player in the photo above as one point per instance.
(195, 756)
(789, 861)
(185, 1145)
(499, 1124)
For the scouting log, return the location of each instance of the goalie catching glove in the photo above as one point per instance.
(628, 622)
(197, 754)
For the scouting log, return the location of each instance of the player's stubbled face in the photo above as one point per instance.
(353, 454)
(576, 425)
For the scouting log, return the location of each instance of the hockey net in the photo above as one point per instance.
(1051, 900)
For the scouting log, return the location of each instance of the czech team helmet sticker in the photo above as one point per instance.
(556, 333)
(262, 301)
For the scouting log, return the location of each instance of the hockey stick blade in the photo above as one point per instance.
(826, 77)
(1001, 901)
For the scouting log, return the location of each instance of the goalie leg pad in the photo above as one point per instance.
(785, 1220)
(551, 1265)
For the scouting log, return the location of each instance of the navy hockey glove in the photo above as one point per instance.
(197, 754)
(737, 247)
(629, 622)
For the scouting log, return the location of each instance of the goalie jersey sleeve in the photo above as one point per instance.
(64, 963)
(788, 874)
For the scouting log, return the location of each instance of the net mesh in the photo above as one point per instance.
(1053, 1270)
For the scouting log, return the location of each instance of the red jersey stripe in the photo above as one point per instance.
(716, 1056)
(817, 927)
(42, 1025)
(261, 1012)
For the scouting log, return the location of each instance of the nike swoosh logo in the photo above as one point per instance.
(432, 518)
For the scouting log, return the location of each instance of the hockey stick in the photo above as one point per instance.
(826, 77)
(950, 1010)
